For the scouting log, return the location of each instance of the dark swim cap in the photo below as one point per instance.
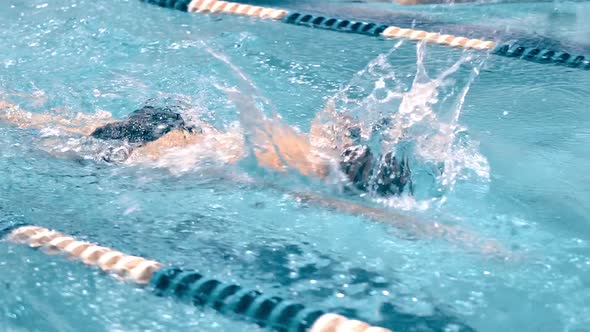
(357, 162)
(143, 125)
(390, 177)
(393, 176)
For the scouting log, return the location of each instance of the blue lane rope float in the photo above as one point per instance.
(274, 312)
(190, 286)
(514, 50)
(328, 23)
(424, 21)
(542, 56)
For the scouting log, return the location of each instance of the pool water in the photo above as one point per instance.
(512, 136)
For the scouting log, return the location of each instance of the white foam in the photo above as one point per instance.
(423, 119)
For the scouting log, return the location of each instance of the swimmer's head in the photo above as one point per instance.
(389, 177)
(356, 162)
(393, 176)
(353, 133)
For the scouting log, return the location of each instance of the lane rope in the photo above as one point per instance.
(510, 50)
(189, 286)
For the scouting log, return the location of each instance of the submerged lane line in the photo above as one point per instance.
(511, 50)
(188, 285)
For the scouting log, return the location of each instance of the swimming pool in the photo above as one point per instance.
(520, 165)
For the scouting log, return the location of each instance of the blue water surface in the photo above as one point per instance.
(529, 121)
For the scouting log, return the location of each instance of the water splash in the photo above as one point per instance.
(247, 98)
(205, 155)
(417, 119)
(411, 114)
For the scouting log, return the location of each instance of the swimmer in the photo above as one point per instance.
(150, 132)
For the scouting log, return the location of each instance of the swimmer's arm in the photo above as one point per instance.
(275, 144)
(81, 124)
(12, 114)
(280, 146)
(330, 130)
(412, 225)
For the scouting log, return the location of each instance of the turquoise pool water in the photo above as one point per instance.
(515, 153)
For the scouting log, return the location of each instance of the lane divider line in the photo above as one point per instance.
(510, 50)
(189, 286)
(218, 6)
